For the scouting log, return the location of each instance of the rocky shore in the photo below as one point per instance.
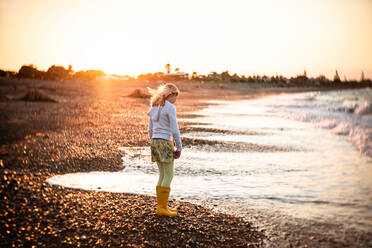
(80, 130)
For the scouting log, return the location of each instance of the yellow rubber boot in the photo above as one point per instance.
(158, 188)
(163, 203)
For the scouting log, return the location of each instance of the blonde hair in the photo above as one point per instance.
(159, 95)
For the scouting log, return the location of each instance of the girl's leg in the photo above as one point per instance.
(163, 191)
(168, 174)
(161, 173)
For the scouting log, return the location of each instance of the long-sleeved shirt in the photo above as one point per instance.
(163, 123)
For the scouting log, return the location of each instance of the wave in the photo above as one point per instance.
(364, 109)
(347, 113)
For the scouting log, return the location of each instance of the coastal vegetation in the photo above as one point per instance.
(60, 73)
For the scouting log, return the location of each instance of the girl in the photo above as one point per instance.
(163, 125)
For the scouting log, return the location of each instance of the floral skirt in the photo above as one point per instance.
(161, 151)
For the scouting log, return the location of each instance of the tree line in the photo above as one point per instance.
(60, 73)
(54, 72)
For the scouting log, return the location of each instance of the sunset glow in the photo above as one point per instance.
(245, 37)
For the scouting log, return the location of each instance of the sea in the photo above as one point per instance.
(308, 155)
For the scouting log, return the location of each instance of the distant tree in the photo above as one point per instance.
(225, 75)
(299, 80)
(194, 75)
(56, 72)
(362, 78)
(11, 74)
(27, 71)
(168, 68)
(322, 79)
(2, 73)
(81, 75)
(40, 75)
(213, 76)
(177, 70)
(235, 78)
(30, 71)
(250, 79)
(336, 78)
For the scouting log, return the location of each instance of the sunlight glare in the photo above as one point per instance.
(246, 37)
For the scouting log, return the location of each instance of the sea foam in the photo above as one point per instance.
(343, 112)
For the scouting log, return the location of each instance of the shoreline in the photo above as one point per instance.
(80, 133)
(284, 228)
(315, 231)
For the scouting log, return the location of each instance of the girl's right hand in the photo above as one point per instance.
(176, 154)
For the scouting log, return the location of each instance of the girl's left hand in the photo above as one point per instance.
(176, 154)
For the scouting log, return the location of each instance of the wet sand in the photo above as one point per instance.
(81, 132)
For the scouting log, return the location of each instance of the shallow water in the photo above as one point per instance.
(319, 175)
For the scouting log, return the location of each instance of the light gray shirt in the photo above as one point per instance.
(163, 123)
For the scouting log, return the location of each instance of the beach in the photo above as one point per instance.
(83, 130)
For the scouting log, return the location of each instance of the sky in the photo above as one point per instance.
(129, 37)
